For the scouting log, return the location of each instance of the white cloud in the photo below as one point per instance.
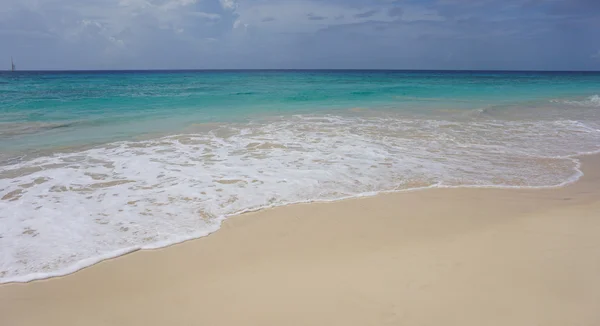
(107, 32)
(229, 4)
(205, 15)
(281, 33)
(238, 23)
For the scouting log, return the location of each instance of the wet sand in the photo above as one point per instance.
(433, 257)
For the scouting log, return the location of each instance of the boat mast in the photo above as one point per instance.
(12, 64)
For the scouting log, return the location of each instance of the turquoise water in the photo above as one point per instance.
(96, 164)
(46, 109)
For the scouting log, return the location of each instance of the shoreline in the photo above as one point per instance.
(91, 261)
(459, 256)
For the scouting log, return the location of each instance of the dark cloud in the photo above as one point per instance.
(267, 19)
(395, 12)
(366, 14)
(472, 43)
(518, 8)
(575, 7)
(312, 16)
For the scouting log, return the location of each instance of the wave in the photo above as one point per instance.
(592, 101)
(120, 197)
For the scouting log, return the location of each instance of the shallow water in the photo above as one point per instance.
(97, 164)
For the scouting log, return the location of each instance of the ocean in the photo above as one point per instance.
(94, 165)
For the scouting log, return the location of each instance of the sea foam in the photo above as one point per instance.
(62, 212)
(592, 101)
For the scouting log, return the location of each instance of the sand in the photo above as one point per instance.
(435, 257)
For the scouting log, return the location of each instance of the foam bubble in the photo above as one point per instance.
(65, 211)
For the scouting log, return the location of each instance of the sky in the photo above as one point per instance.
(307, 34)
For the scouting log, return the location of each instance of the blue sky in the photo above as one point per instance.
(379, 34)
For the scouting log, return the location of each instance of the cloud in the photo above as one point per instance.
(395, 12)
(366, 14)
(312, 16)
(574, 7)
(239, 24)
(229, 4)
(205, 15)
(432, 34)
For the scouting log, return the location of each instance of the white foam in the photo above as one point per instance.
(592, 101)
(63, 212)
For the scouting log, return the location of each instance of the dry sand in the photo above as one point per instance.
(435, 257)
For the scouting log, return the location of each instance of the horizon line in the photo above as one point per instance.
(293, 69)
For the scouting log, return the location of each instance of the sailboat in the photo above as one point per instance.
(12, 65)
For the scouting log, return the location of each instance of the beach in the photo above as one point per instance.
(463, 256)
